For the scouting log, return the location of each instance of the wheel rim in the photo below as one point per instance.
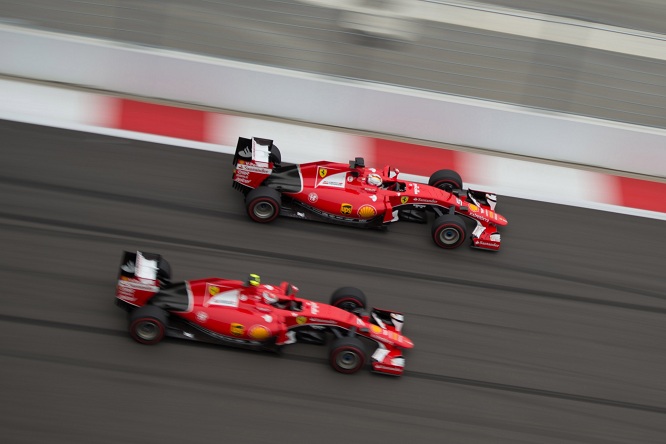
(264, 210)
(446, 186)
(449, 236)
(147, 330)
(347, 359)
(349, 305)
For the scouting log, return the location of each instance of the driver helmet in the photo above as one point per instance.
(253, 280)
(269, 298)
(374, 179)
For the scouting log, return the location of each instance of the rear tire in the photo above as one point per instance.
(148, 324)
(449, 231)
(263, 204)
(347, 355)
(350, 299)
(447, 180)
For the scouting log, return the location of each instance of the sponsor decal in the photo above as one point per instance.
(491, 213)
(373, 198)
(127, 297)
(323, 321)
(418, 199)
(227, 298)
(387, 367)
(417, 190)
(259, 332)
(202, 316)
(313, 197)
(350, 179)
(242, 180)
(458, 201)
(253, 168)
(267, 318)
(420, 207)
(346, 208)
(367, 211)
(375, 328)
(300, 320)
(322, 172)
(382, 339)
(314, 308)
(135, 285)
(245, 152)
(487, 244)
(473, 207)
(237, 329)
(404, 199)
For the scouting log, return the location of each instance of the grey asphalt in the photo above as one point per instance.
(445, 58)
(557, 338)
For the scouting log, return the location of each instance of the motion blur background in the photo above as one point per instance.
(411, 43)
(557, 338)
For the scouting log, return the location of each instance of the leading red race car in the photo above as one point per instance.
(364, 197)
(252, 315)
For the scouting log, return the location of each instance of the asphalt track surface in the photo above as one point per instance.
(446, 58)
(557, 338)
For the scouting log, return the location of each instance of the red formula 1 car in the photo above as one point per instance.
(362, 197)
(257, 316)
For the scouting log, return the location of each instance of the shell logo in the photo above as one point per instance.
(259, 332)
(375, 328)
(367, 211)
(473, 207)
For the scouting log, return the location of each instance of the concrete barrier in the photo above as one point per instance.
(301, 97)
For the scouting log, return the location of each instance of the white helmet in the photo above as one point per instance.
(269, 298)
(374, 179)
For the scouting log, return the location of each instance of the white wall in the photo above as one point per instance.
(311, 98)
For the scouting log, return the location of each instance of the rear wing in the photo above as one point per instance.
(254, 161)
(140, 276)
(261, 151)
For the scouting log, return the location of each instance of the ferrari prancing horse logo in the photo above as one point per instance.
(404, 199)
(323, 172)
(346, 208)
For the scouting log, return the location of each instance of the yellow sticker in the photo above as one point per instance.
(346, 208)
(404, 199)
(213, 290)
(323, 172)
(300, 320)
(259, 332)
(367, 211)
(237, 329)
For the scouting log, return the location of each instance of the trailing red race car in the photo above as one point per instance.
(256, 316)
(363, 197)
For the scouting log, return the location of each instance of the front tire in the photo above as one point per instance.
(447, 180)
(148, 324)
(350, 299)
(449, 231)
(347, 355)
(263, 204)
